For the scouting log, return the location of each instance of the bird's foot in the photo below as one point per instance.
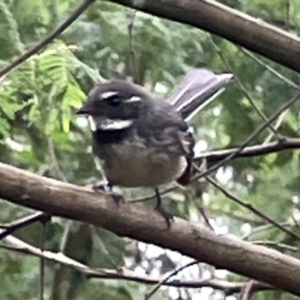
(117, 197)
(165, 214)
(107, 188)
(102, 185)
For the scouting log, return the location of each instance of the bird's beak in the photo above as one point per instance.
(81, 111)
(84, 110)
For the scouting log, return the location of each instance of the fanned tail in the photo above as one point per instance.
(198, 88)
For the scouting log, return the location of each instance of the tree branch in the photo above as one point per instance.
(15, 244)
(137, 222)
(283, 144)
(240, 28)
(253, 135)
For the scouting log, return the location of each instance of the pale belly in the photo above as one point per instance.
(131, 165)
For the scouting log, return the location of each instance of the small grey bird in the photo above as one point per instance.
(144, 141)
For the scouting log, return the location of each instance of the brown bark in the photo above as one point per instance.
(135, 221)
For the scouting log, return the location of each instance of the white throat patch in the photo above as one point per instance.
(108, 124)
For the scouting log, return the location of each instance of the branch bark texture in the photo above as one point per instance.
(231, 24)
(137, 222)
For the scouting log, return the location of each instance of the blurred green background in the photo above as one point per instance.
(39, 132)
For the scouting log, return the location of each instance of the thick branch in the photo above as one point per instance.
(135, 221)
(228, 23)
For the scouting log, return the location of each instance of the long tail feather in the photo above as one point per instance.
(198, 88)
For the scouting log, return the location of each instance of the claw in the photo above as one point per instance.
(117, 198)
(108, 189)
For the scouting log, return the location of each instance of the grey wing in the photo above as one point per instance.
(197, 89)
(181, 142)
(165, 129)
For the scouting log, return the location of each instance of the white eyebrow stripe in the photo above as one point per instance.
(133, 99)
(107, 95)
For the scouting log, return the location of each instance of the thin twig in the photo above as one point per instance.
(287, 14)
(242, 87)
(161, 282)
(261, 229)
(21, 223)
(102, 246)
(276, 245)
(65, 236)
(42, 261)
(132, 61)
(237, 215)
(269, 68)
(203, 214)
(215, 156)
(247, 292)
(49, 38)
(58, 173)
(276, 126)
(251, 208)
(252, 136)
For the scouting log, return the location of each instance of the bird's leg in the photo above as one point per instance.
(108, 188)
(161, 209)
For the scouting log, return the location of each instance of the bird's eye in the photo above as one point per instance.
(114, 100)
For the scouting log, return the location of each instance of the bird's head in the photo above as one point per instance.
(114, 105)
